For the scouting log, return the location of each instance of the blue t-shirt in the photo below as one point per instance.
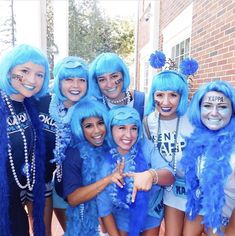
(121, 215)
(72, 173)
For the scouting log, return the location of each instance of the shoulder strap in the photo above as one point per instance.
(146, 127)
(139, 98)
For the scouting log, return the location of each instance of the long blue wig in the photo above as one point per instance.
(123, 115)
(218, 86)
(172, 81)
(107, 63)
(19, 55)
(69, 67)
(85, 109)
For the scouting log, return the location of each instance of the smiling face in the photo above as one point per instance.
(216, 110)
(94, 130)
(73, 89)
(27, 79)
(125, 137)
(111, 84)
(167, 103)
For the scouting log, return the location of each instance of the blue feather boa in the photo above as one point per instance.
(217, 147)
(39, 187)
(83, 219)
(121, 197)
(4, 221)
(38, 191)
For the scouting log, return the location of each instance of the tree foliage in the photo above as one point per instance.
(7, 28)
(91, 32)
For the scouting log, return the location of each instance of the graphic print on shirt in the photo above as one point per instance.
(48, 122)
(12, 122)
(166, 145)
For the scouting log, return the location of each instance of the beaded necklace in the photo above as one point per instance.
(175, 142)
(169, 188)
(30, 168)
(62, 117)
(126, 99)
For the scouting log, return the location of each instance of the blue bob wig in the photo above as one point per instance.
(107, 63)
(69, 67)
(173, 81)
(123, 115)
(19, 55)
(88, 107)
(195, 105)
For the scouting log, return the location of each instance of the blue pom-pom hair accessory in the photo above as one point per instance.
(187, 67)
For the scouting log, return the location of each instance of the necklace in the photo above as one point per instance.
(127, 99)
(29, 168)
(175, 143)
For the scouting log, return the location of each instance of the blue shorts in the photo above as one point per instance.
(58, 202)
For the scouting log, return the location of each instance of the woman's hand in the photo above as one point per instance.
(142, 181)
(117, 176)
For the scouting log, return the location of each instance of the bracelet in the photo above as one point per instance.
(154, 175)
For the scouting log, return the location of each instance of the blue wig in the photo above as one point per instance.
(172, 81)
(87, 108)
(107, 63)
(69, 67)
(195, 105)
(123, 115)
(19, 55)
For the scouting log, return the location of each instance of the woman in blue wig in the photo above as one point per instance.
(166, 124)
(83, 162)
(70, 87)
(110, 80)
(24, 73)
(121, 213)
(209, 160)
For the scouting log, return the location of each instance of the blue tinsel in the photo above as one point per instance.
(39, 187)
(38, 191)
(121, 197)
(188, 66)
(157, 59)
(4, 221)
(217, 147)
(83, 219)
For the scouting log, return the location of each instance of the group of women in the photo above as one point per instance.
(119, 168)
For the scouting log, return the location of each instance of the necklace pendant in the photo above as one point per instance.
(198, 192)
(25, 170)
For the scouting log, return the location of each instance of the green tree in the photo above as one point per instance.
(7, 28)
(91, 32)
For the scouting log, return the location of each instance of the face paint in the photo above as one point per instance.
(17, 77)
(216, 110)
(215, 99)
(118, 81)
(27, 79)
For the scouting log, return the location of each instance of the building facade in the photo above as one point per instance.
(202, 29)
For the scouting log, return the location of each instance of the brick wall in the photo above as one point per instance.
(170, 9)
(213, 40)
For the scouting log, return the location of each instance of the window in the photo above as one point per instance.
(180, 51)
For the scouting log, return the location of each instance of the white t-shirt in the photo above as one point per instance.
(165, 140)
